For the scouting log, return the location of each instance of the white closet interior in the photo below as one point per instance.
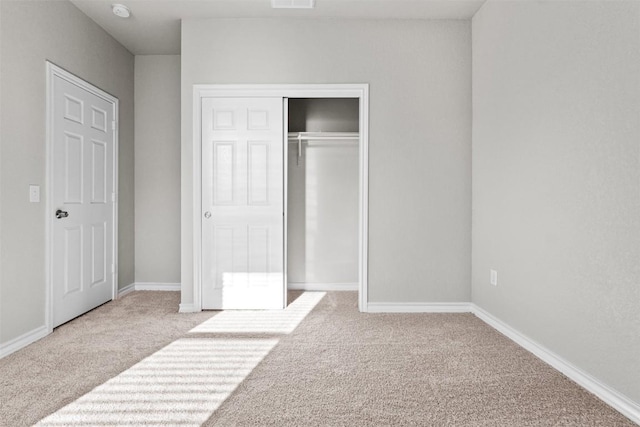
(322, 233)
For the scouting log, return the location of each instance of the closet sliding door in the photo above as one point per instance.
(243, 203)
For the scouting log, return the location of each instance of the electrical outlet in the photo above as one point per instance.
(493, 277)
(34, 193)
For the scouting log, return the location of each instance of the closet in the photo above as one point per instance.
(323, 193)
(280, 200)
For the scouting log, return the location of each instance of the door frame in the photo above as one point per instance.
(53, 71)
(359, 91)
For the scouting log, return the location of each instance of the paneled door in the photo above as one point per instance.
(242, 203)
(82, 198)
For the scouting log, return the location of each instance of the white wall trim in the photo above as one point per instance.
(152, 286)
(358, 91)
(363, 250)
(126, 290)
(148, 286)
(613, 398)
(419, 307)
(188, 308)
(324, 287)
(52, 71)
(285, 201)
(23, 340)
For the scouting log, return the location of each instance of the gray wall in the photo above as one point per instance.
(556, 178)
(157, 168)
(420, 131)
(32, 32)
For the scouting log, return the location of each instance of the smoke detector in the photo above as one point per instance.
(120, 10)
(292, 4)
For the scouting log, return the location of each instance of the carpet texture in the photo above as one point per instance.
(337, 368)
(86, 352)
(186, 381)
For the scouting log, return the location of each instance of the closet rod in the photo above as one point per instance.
(310, 137)
(305, 136)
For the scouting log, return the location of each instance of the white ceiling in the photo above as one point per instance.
(154, 25)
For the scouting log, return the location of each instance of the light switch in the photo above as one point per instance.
(34, 193)
(493, 277)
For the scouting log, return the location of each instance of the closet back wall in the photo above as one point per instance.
(324, 115)
(419, 74)
(323, 196)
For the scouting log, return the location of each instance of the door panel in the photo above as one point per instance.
(73, 167)
(258, 183)
(99, 175)
(242, 203)
(98, 253)
(82, 185)
(224, 165)
(73, 260)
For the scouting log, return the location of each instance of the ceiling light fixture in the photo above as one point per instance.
(121, 10)
(292, 4)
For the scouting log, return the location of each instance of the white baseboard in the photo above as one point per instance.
(418, 307)
(324, 287)
(126, 290)
(148, 286)
(613, 398)
(23, 341)
(151, 286)
(38, 333)
(187, 308)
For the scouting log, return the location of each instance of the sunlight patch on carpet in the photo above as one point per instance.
(186, 381)
(262, 321)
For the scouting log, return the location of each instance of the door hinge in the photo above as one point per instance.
(113, 125)
(113, 268)
(113, 197)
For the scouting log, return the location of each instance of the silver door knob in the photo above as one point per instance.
(61, 214)
(207, 214)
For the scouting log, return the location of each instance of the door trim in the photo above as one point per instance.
(53, 71)
(359, 91)
(285, 201)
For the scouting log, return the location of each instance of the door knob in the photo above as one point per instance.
(207, 214)
(61, 214)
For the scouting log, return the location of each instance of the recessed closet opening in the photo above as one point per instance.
(323, 193)
(280, 193)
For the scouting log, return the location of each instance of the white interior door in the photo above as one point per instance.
(82, 190)
(242, 203)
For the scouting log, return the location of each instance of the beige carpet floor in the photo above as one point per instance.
(337, 368)
(86, 352)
